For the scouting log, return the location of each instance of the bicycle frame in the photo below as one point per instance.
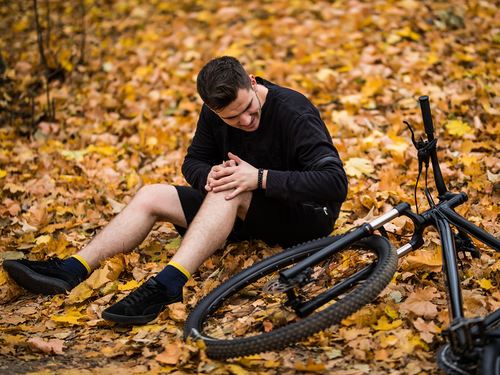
(465, 335)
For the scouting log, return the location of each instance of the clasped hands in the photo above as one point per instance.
(233, 174)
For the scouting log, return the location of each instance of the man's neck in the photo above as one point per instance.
(262, 93)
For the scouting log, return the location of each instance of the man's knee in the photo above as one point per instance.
(155, 197)
(241, 202)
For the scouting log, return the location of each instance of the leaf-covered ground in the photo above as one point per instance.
(123, 109)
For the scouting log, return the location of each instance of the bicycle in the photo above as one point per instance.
(308, 288)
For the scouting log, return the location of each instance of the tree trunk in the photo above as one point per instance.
(3, 65)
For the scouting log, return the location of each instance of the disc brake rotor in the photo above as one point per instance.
(275, 286)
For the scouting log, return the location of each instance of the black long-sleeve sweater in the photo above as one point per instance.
(291, 142)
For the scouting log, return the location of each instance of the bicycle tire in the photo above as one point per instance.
(453, 365)
(381, 274)
(490, 361)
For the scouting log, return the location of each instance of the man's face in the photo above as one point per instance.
(244, 113)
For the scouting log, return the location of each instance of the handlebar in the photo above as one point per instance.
(426, 115)
(429, 130)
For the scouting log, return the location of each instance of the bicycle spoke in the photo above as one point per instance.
(264, 305)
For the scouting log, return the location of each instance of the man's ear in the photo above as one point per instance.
(253, 81)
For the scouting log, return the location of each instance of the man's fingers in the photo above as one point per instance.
(234, 193)
(234, 158)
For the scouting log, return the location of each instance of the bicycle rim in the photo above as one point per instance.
(238, 318)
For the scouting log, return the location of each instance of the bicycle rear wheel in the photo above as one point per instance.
(453, 365)
(490, 363)
(251, 312)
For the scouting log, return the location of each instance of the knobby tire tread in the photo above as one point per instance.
(306, 327)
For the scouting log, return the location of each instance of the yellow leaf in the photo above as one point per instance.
(42, 239)
(132, 180)
(372, 86)
(81, 293)
(324, 74)
(13, 188)
(457, 127)
(391, 313)
(356, 167)
(174, 243)
(74, 155)
(465, 57)
(20, 26)
(408, 33)
(98, 278)
(384, 325)
(106, 151)
(3, 173)
(128, 286)
(72, 317)
(311, 366)
(432, 59)
(486, 284)
(201, 344)
(116, 206)
(236, 370)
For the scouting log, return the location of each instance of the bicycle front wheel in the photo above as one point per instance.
(251, 312)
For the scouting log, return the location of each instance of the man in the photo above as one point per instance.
(261, 165)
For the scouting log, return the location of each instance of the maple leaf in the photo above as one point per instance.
(72, 317)
(420, 303)
(80, 293)
(384, 325)
(457, 127)
(356, 167)
(425, 258)
(171, 354)
(53, 346)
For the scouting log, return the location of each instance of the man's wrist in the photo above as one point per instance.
(260, 178)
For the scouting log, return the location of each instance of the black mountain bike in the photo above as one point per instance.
(308, 288)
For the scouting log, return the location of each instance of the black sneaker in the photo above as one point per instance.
(41, 277)
(142, 305)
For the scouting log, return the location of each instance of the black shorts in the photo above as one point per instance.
(274, 221)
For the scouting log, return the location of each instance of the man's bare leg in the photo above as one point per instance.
(126, 231)
(210, 228)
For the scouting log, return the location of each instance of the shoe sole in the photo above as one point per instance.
(35, 282)
(129, 320)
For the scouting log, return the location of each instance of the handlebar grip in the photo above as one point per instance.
(426, 115)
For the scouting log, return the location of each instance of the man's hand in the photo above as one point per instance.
(217, 169)
(233, 174)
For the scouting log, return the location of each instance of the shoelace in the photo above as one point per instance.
(144, 291)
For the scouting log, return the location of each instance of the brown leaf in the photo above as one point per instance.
(420, 303)
(171, 354)
(177, 312)
(53, 346)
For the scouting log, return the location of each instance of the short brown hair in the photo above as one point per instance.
(220, 80)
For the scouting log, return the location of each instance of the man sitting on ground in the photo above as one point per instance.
(261, 165)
